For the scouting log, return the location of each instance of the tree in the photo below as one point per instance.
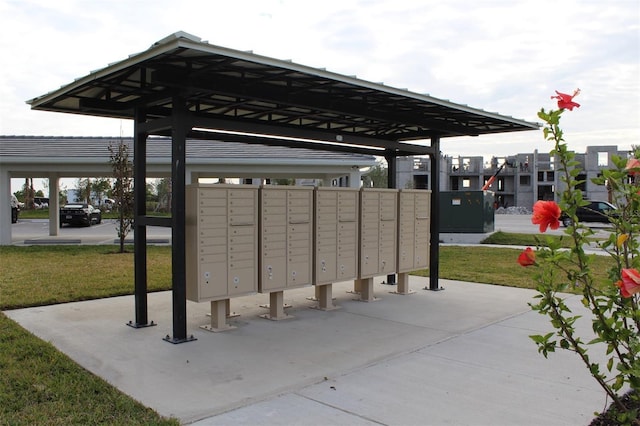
(122, 189)
(84, 189)
(163, 189)
(29, 194)
(101, 187)
(283, 181)
(376, 177)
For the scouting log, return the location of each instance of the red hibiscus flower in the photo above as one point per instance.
(566, 101)
(630, 282)
(546, 214)
(633, 166)
(527, 257)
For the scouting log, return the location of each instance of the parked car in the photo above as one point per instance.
(80, 214)
(15, 209)
(596, 211)
(41, 202)
(108, 204)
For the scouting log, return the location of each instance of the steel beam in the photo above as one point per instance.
(434, 252)
(139, 229)
(392, 182)
(179, 131)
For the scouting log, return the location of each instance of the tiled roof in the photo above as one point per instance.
(57, 149)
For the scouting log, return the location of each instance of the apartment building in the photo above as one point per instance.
(522, 179)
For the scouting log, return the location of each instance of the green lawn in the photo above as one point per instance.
(40, 385)
(44, 214)
(43, 275)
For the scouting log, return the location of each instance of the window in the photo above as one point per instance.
(540, 176)
(455, 184)
(525, 180)
(466, 183)
(603, 159)
(550, 176)
(455, 164)
(421, 182)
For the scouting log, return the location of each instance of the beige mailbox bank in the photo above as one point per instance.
(243, 239)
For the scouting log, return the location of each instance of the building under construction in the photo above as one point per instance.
(522, 179)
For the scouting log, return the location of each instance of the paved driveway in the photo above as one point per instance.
(36, 231)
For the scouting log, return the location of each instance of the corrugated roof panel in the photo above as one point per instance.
(221, 81)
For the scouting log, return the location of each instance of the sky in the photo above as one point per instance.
(502, 56)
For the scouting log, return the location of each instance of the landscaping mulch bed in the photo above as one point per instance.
(608, 418)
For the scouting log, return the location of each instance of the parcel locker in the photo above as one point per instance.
(221, 241)
(286, 237)
(414, 207)
(378, 232)
(336, 234)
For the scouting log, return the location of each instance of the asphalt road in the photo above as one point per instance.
(36, 231)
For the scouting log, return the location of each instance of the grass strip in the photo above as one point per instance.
(40, 385)
(510, 238)
(45, 275)
(492, 265)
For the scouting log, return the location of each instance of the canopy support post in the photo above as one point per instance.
(179, 129)
(139, 228)
(392, 181)
(434, 243)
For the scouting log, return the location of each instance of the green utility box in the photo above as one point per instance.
(467, 212)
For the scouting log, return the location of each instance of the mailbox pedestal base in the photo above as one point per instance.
(403, 284)
(365, 285)
(324, 298)
(218, 317)
(229, 313)
(276, 307)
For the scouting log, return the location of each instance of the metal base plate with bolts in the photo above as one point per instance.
(136, 325)
(177, 341)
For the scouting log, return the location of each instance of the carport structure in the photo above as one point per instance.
(183, 87)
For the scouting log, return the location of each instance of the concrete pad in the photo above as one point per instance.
(455, 356)
(290, 409)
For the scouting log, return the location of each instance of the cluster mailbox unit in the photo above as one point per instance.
(286, 243)
(244, 239)
(414, 234)
(221, 245)
(378, 237)
(337, 220)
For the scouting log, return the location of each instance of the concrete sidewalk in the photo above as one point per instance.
(461, 356)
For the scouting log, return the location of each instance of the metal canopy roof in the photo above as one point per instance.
(227, 89)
